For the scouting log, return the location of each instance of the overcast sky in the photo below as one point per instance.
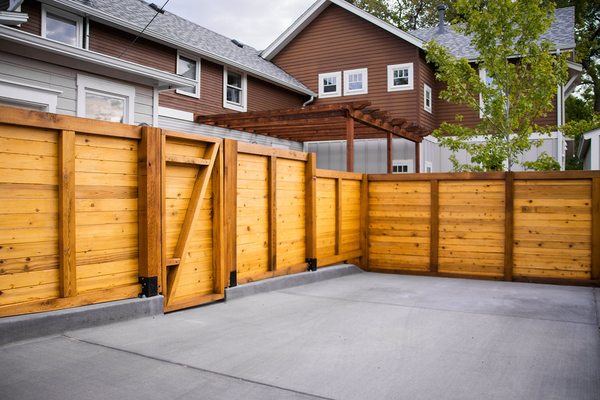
(254, 22)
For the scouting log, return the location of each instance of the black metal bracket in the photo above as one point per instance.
(149, 286)
(233, 279)
(312, 264)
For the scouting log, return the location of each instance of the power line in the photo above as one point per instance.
(158, 11)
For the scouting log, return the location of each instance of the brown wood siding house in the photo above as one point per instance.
(262, 95)
(338, 40)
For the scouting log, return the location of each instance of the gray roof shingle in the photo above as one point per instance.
(561, 34)
(180, 31)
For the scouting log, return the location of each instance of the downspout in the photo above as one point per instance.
(309, 101)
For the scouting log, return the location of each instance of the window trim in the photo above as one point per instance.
(365, 82)
(338, 91)
(409, 163)
(390, 76)
(108, 87)
(198, 71)
(24, 94)
(427, 89)
(64, 14)
(482, 77)
(233, 106)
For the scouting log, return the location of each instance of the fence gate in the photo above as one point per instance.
(192, 220)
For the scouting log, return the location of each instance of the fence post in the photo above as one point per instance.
(339, 204)
(364, 222)
(595, 275)
(230, 152)
(508, 225)
(272, 213)
(149, 210)
(435, 226)
(311, 210)
(218, 220)
(66, 212)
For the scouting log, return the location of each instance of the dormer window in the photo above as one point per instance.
(330, 84)
(62, 26)
(400, 77)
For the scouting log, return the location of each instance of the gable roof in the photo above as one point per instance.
(133, 15)
(561, 34)
(316, 9)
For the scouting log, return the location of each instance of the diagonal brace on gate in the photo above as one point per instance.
(198, 194)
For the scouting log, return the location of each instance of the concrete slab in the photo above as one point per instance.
(54, 322)
(362, 336)
(285, 282)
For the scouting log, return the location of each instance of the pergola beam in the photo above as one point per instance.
(318, 123)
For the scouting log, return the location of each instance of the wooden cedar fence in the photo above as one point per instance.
(515, 226)
(94, 211)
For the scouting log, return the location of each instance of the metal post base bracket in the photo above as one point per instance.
(312, 264)
(149, 286)
(233, 279)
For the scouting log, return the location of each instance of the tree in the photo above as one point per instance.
(379, 8)
(516, 91)
(416, 14)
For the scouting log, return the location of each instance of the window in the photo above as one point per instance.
(189, 68)
(402, 166)
(427, 102)
(105, 100)
(489, 82)
(428, 167)
(28, 96)
(355, 82)
(235, 93)
(400, 77)
(330, 84)
(62, 26)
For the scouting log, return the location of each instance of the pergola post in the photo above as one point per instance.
(390, 152)
(417, 157)
(349, 143)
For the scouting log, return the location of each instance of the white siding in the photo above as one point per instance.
(33, 72)
(370, 155)
(209, 130)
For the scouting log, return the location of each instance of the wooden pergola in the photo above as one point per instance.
(340, 121)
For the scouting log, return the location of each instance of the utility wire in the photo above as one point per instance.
(159, 11)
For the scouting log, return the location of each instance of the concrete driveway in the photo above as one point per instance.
(362, 336)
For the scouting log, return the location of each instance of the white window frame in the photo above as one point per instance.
(410, 166)
(86, 83)
(390, 76)
(36, 97)
(427, 90)
(67, 15)
(196, 94)
(233, 106)
(338, 91)
(482, 77)
(365, 82)
(428, 167)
